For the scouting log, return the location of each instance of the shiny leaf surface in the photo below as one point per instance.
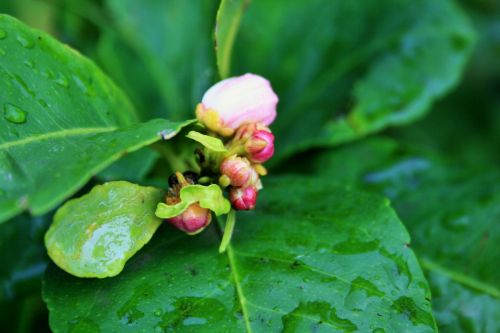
(62, 121)
(93, 236)
(451, 212)
(307, 259)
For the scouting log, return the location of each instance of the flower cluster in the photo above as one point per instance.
(236, 113)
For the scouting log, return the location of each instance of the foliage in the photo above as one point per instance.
(319, 253)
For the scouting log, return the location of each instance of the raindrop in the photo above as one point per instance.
(3, 34)
(62, 81)
(43, 103)
(14, 114)
(49, 74)
(29, 64)
(19, 82)
(25, 42)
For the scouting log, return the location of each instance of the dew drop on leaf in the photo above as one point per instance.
(29, 64)
(25, 42)
(14, 114)
(62, 81)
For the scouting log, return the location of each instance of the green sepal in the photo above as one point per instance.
(210, 197)
(209, 142)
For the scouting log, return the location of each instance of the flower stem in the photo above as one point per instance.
(228, 231)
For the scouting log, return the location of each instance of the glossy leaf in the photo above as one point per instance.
(76, 121)
(210, 197)
(343, 69)
(313, 256)
(95, 235)
(72, 156)
(451, 213)
(210, 142)
(172, 40)
(226, 28)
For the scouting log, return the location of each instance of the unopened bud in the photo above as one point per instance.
(238, 170)
(260, 146)
(243, 198)
(193, 220)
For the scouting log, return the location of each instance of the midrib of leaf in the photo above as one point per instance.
(239, 290)
(465, 280)
(315, 270)
(56, 135)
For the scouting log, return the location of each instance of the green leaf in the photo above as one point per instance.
(210, 142)
(451, 212)
(226, 28)
(76, 121)
(39, 171)
(313, 256)
(347, 69)
(95, 235)
(210, 197)
(173, 41)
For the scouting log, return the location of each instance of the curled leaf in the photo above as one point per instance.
(95, 235)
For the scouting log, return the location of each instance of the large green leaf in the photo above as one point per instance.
(344, 69)
(452, 214)
(173, 41)
(62, 121)
(95, 235)
(312, 257)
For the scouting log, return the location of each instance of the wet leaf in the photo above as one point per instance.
(451, 211)
(95, 235)
(309, 258)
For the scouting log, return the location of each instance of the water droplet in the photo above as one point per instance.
(25, 41)
(62, 81)
(29, 64)
(157, 313)
(84, 87)
(49, 74)
(3, 34)
(43, 103)
(25, 89)
(14, 114)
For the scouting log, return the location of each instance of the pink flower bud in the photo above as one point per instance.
(243, 198)
(239, 171)
(236, 101)
(260, 146)
(193, 220)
